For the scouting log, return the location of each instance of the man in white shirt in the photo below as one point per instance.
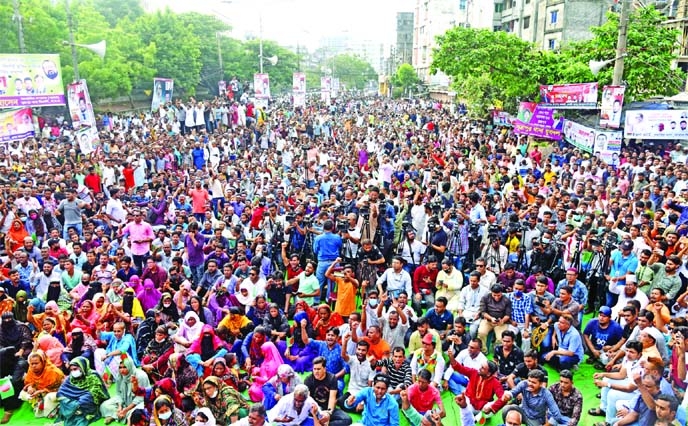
(294, 409)
(396, 278)
(469, 302)
(114, 209)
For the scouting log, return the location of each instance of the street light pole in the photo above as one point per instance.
(617, 78)
(75, 60)
(260, 38)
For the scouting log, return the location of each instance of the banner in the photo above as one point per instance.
(299, 89)
(261, 86)
(80, 108)
(16, 125)
(580, 136)
(222, 88)
(162, 92)
(335, 87)
(608, 146)
(502, 118)
(612, 102)
(656, 124)
(87, 139)
(534, 120)
(569, 96)
(325, 87)
(30, 80)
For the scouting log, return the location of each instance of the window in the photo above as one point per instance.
(553, 15)
(499, 7)
(462, 4)
(526, 22)
(552, 43)
(527, 1)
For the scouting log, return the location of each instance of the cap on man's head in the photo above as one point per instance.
(626, 245)
(606, 311)
(429, 339)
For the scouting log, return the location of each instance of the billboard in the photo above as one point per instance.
(88, 140)
(610, 110)
(80, 108)
(501, 118)
(261, 86)
(299, 89)
(604, 143)
(325, 87)
(656, 124)
(534, 120)
(162, 92)
(569, 96)
(30, 80)
(16, 125)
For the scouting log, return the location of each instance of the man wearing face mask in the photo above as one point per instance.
(16, 343)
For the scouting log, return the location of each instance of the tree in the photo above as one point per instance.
(405, 78)
(352, 71)
(118, 10)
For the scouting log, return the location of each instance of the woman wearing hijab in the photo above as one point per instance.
(125, 400)
(229, 375)
(146, 331)
(279, 385)
(166, 414)
(57, 294)
(149, 296)
(80, 344)
(189, 331)
(300, 356)
(21, 306)
(224, 402)
(157, 353)
(16, 343)
(168, 308)
(35, 227)
(81, 395)
(62, 325)
(235, 325)
(86, 317)
(14, 239)
(204, 417)
(219, 302)
(52, 348)
(268, 368)
(135, 283)
(183, 374)
(50, 329)
(325, 320)
(204, 314)
(203, 350)
(100, 304)
(116, 292)
(242, 298)
(41, 384)
(132, 307)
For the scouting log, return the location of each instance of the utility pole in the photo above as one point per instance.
(70, 24)
(219, 56)
(20, 27)
(617, 78)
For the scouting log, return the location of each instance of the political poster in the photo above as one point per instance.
(30, 80)
(502, 118)
(80, 108)
(261, 86)
(656, 124)
(325, 88)
(608, 146)
(580, 136)
(569, 96)
(162, 92)
(16, 125)
(534, 120)
(222, 88)
(88, 139)
(610, 109)
(299, 89)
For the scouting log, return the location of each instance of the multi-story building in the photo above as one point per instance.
(549, 23)
(403, 50)
(431, 18)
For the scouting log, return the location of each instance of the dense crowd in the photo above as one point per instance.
(220, 263)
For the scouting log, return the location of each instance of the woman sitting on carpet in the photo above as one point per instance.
(202, 351)
(268, 368)
(80, 344)
(300, 356)
(279, 385)
(166, 414)
(81, 394)
(41, 384)
(125, 399)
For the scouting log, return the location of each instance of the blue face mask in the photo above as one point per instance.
(373, 303)
(518, 293)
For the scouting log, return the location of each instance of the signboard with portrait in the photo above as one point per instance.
(32, 80)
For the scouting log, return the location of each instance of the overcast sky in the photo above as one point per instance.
(303, 21)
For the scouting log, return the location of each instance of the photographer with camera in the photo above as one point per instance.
(296, 229)
(436, 239)
(495, 255)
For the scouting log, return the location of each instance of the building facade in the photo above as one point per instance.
(403, 50)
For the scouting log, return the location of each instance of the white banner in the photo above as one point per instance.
(261, 86)
(325, 88)
(299, 89)
(610, 110)
(656, 124)
(608, 146)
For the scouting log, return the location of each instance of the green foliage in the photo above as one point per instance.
(488, 66)
(118, 10)
(405, 78)
(352, 71)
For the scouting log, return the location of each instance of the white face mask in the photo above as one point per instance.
(75, 373)
(167, 304)
(214, 395)
(165, 416)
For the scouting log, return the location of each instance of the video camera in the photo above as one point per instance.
(342, 225)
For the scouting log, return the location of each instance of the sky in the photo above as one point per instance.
(303, 22)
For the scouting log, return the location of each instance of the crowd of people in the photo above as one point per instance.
(299, 265)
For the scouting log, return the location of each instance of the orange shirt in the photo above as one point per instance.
(346, 297)
(380, 351)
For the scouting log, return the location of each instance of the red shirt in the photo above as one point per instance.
(480, 391)
(418, 279)
(423, 401)
(92, 181)
(128, 174)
